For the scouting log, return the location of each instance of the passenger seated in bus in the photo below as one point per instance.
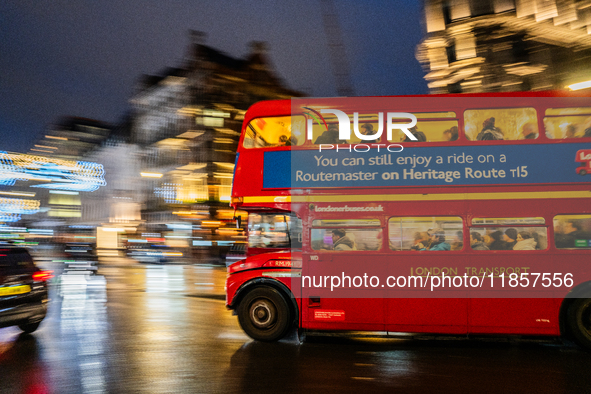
(419, 135)
(330, 136)
(525, 241)
(566, 235)
(510, 238)
(541, 240)
(285, 141)
(451, 134)
(367, 129)
(437, 241)
(340, 241)
(497, 242)
(571, 131)
(421, 237)
(489, 131)
(476, 241)
(587, 127)
(457, 243)
(529, 131)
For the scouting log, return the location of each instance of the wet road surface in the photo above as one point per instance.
(138, 328)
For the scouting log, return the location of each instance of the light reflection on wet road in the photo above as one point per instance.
(164, 329)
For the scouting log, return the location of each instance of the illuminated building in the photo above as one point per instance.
(186, 123)
(56, 151)
(71, 138)
(42, 193)
(505, 45)
(119, 201)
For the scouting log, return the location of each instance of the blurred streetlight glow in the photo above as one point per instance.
(580, 85)
(63, 192)
(23, 194)
(150, 175)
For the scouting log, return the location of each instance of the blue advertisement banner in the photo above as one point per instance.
(429, 166)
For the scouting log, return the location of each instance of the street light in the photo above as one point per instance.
(151, 175)
(580, 85)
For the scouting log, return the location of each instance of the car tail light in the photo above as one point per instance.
(42, 276)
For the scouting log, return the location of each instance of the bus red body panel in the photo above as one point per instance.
(514, 189)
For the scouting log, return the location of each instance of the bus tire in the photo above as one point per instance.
(579, 321)
(264, 314)
(583, 172)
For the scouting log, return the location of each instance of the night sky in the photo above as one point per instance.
(83, 57)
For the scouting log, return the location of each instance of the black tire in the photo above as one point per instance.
(29, 327)
(264, 314)
(579, 321)
(583, 172)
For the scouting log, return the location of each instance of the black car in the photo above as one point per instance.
(23, 290)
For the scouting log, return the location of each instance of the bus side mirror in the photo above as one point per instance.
(238, 221)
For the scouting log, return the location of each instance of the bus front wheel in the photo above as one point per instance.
(264, 314)
(579, 321)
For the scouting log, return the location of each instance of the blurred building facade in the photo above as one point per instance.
(186, 125)
(168, 165)
(119, 201)
(505, 45)
(71, 138)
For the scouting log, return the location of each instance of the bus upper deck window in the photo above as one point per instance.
(275, 131)
(501, 124)
(431, 127)
(562, 123)
(328, 133)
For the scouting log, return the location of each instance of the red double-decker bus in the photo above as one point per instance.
(424, 214)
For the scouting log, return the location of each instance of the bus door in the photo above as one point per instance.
(422, 248)
(336, 296)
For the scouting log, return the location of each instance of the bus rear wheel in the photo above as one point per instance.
(264, 314)
(579, 321)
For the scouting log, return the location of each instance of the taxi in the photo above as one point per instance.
(23, 290)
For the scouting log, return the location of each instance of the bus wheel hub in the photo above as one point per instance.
(261, 314)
